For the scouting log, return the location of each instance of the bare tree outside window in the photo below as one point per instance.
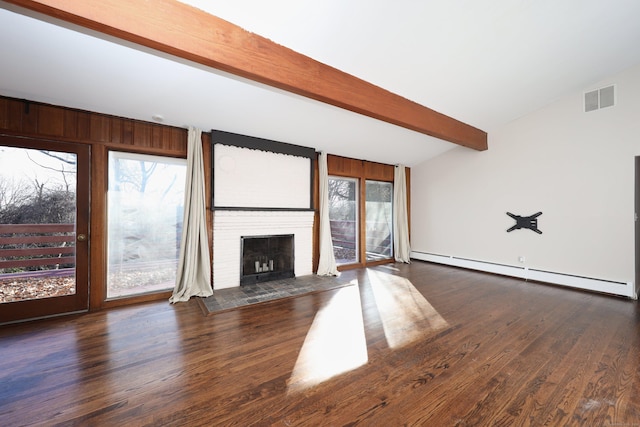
(343, 218)
(38, 216)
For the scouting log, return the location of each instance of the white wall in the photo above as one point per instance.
(575, 167)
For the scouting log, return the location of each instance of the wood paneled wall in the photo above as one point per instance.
(22, 117)
(344, 166)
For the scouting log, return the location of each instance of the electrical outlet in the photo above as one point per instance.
(521, 259)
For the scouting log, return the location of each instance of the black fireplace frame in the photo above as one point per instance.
(253, 277)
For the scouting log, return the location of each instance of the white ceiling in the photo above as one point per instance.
(483, 62)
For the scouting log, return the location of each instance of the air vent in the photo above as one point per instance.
(599, 98)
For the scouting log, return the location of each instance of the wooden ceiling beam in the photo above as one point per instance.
(189, 33)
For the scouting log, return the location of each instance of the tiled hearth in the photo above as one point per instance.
(227, 299)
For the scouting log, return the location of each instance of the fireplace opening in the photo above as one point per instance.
(266, 258)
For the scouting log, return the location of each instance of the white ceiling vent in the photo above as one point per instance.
(600, 98)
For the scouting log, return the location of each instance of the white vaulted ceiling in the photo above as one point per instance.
(483, 62)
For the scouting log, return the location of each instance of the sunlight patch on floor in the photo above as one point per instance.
(406, 314)
(334, 344)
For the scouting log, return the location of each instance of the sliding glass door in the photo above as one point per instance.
(356, 225)
(379, 214)
(343, 217)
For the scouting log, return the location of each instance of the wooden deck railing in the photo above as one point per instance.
(25, 246)
(344, 235)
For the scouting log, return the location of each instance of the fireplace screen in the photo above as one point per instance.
(266, 258)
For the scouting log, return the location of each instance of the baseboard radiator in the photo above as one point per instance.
(607, 286)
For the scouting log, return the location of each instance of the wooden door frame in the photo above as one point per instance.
(79, 301)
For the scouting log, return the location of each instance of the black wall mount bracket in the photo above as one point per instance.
(530, 222)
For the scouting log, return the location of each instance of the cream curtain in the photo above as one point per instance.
(193, 277)
(402, 247)
(327, 263)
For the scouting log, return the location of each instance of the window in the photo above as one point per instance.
(343, 217)
(379, 228)
(145, 199)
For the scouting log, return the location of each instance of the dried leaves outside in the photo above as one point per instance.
(143, 278)
(121, 284)
(26, 288)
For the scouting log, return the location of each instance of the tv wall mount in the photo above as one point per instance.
(530, 222)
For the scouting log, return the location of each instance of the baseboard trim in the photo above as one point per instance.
(625, 289)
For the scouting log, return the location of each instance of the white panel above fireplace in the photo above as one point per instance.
(229, 226)
(247, 178)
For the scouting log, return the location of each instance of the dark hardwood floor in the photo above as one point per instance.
(418, 345)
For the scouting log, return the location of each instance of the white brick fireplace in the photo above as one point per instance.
(260, 188)
(229, 226)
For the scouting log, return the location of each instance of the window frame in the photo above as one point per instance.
(361, 170)
(368, 236)
(357, 242)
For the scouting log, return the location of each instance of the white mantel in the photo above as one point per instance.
(230, 225)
